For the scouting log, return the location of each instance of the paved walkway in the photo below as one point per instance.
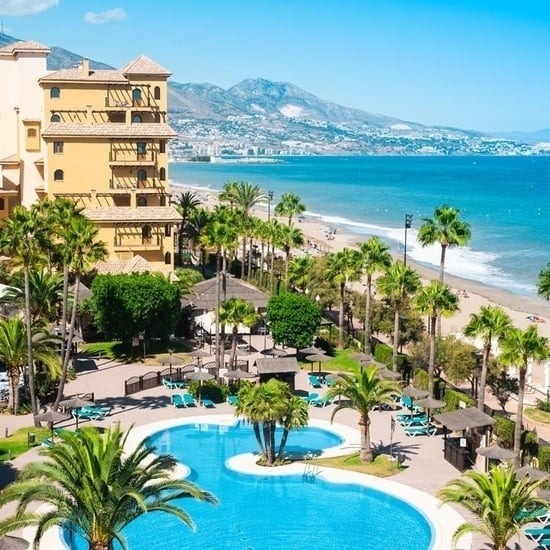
(426, 468)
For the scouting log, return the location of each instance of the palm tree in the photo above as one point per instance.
(234, 312)
(290, 205)
(497, 499)
(25, 236)
(343, 267)
(435, 300)
(361, 392)
(397, 284)
(376, 257)
(288, 238)
(266, 405)
(491, 325)
(81, 249)
(543, 283)
(446, 229)
(299, 271)
(15, 355)
(187, 203)
(94, 488)
(518, 348)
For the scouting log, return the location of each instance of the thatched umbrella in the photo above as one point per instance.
(317, 358)
(311, 350)
(387, 373)
(414, 393)
(200, 376)
(496, 452)
(52, 417)
(13, 543)
(530, 472)
(76, 402)
(239, 374)
(274, 352)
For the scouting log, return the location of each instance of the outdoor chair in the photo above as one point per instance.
(232, 399)
(540, 514)
(178, 400)
(413, 431)
(88, 414)
(311, 397)
(412, 419)
(314, 381)
(208, 403)
(189, 400)
(539, 535)
(321, 401)
(173, 384)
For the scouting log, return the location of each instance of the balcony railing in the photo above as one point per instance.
(128, 158)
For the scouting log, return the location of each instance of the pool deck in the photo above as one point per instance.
(425, 473)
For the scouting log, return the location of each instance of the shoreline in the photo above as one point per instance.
(333, 237)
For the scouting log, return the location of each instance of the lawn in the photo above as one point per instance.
(381, 466)
(17, 443)
(536, 415)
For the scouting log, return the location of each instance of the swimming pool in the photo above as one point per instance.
(270, 511)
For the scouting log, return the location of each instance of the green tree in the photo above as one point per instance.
(234, 312)
(15, 355)
(435, 300)
(266, 405)
(128, 304)
(342, 268)
(497, 499)
(491, 325)
(186, 205)
(398, 284)
(94, 488)
(25, 236)
(517, 348)
(293, 319)
(288, 237)
(299, 271)
(290, 205)
(543, 282)
(445, 228)
(361, 391)
(376, 257)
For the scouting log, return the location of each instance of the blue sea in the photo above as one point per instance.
(506, 200)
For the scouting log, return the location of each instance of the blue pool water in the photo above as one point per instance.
(272, 512)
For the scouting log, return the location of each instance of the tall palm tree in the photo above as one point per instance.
(497, 498)
(234, 312)
(398, 284)
(95, 487)
(266, 405)
(445, 228)
(491, 325)
(518, 348)
(361, 392)
(25, 236)
(543, 282)
(290, 205)
(81, 249)
(299, 271)
(288, 238)
(15, 355)
(435, 300)
(376, 257)
(187, 203)
(342, 268)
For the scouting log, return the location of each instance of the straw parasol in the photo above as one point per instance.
(52, 417)
(76, 402)
(200, 376)
(311, 350)
(430, 403)
(13, 543)
(274, 352)
(496, 452)
(414, 393)
(532, 473)
(239, 374)
(391, 374)
(317, 358)
(361, 356)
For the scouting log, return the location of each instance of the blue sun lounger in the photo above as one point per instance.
(413, 431)
(539, 535)
(208, 403)
(232, 399)
(314, 381)
(540, 514)
(178, 400)
(321, 401)
(189, 400)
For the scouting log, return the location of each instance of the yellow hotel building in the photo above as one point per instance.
(101, 139)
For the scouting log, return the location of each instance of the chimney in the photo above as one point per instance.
(85, 65)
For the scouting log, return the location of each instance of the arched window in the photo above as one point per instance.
(168, 230)
(141, 148)
(137, 119)
(162, 174)
(55, 118)
(142, 175)
(58, 175)
(167, 258)
(142, 201)
(156, 92)
(55, 93)
(146, 233)
(136, 96)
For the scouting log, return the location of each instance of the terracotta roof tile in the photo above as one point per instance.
(94, 75)
(144, 65)
(137, 264)
(24, 46)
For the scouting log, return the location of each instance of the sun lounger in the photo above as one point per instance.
(412, 420)
(189, 400)
(314, 381)
(232, 399)
(413, 431)
(178, 400)
(173, 384)
(540, 514)
(89, 413)
(540, 535)
(208, 403)
(321, 401)
(311, 397)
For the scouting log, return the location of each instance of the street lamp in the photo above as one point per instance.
(269, 199)
(408, 223)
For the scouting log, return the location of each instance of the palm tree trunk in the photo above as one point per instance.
(13, 399)
(243, 266)
(234, 346)
(483, 377)
(64, 306)
(365, 455)
(272, 268)
(431, 359)
(258, 435)
(519, 415)
(341, 316)
(367, 316)
(283, 444)
(218, 301)
(441, 276)
(395, 338)
(32, 392)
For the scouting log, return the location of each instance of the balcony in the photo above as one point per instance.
(132, 158)
(124, 187)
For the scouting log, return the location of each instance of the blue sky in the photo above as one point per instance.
(472, 64)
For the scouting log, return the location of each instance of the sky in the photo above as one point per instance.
(470, 64)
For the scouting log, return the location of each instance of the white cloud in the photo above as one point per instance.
(25, 7)
(116, 14)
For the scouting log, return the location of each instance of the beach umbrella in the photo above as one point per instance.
(391, 374)
(239, 374)
(200, 376)
(429, 403)
(274, 352)
(496, 452)
(530, 472)
(76, 402)
(52, 417)
(13, 543)
(311, 350)
(414, 393)
(317, 358)
(361, 356)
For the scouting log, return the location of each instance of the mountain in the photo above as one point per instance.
(259, 116)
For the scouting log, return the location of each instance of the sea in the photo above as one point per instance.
(506, 201)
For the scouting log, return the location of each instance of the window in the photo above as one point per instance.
(162, 146)
(136, 96)
(142, 201)
(31, 133)
(55, 93)
(2, 204)
(58, 175)
(162, 174)
(168, 258)
(142, 175)
(167, 230)
(157, 117)
(55, 118)
(137, 119)
(57, 147)
(146, 233)
(156, 92)
(141, 148)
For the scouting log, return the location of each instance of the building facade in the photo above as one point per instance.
(102, 142)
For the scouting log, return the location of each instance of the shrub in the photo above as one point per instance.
(530, 443)
(503, 428)
(544, 458)
(453, 398)
(543, 405)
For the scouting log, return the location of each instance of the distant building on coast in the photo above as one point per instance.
(98, 137)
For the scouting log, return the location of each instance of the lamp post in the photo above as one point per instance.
(408, 223)
(269, 199)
